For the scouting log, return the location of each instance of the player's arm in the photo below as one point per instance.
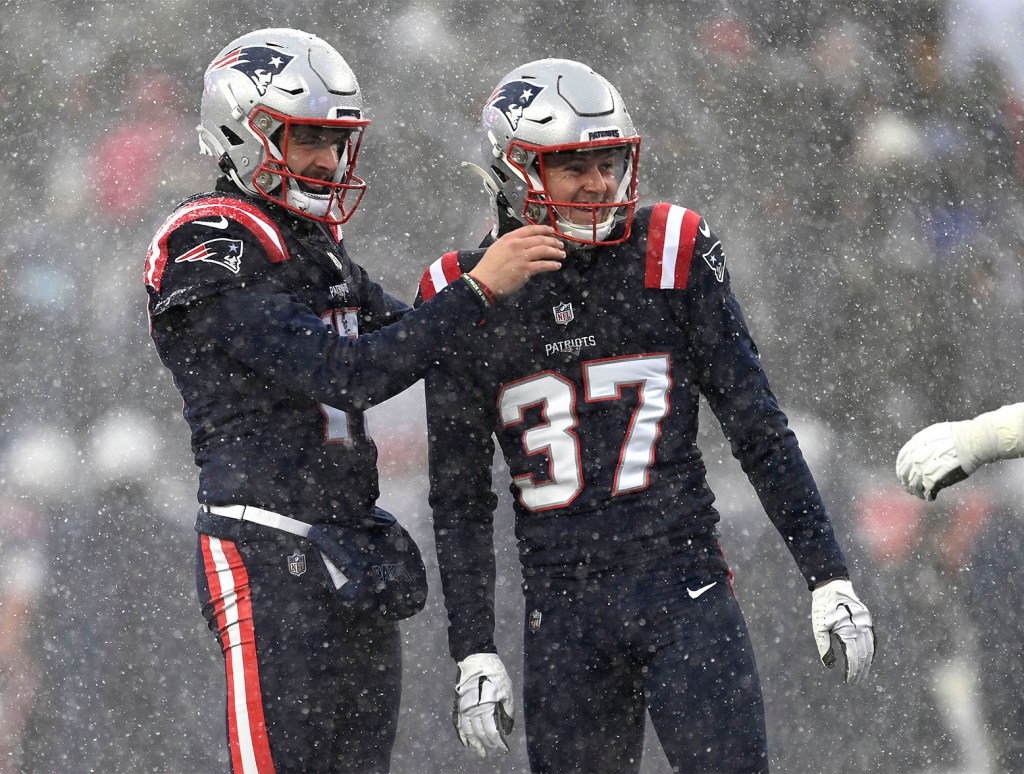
(462, 499)
(379, 308)
(460, 455)
(731, 377)
(948, 452)
(265, 327)
(214, 273)
(274, 334)
(733, 380)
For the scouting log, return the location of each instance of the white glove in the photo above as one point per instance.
(948, 452)
(837, 612)
(930, 461)
(484, 709)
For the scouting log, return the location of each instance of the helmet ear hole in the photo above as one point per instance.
(232, 138)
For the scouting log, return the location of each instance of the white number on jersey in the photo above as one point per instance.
(339, 427)
(555, 435)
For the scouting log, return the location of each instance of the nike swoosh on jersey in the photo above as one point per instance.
(704, 228)
(221, 224)
(694, 594)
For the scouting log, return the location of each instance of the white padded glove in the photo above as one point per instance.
(929, 461)
(837, 612)
(484, 708)
(947, 452)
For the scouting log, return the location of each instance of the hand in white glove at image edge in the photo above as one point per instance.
(837, 612)
(484, 708)
(948, 452)
(930, 461)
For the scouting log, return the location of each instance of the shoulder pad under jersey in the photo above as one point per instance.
(445, 270)
(211, 233)
(675, 236)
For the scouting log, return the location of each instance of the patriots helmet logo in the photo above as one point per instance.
(223, 252)
(259, 63)
(513, 98)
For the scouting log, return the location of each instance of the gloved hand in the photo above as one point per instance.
(837, 612)
(930, 461)
(484, 708)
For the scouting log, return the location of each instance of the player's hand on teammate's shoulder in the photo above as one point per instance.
(517, 256)
(838, 616)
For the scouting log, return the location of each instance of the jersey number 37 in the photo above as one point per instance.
(556, 435)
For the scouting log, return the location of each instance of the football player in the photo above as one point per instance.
(946, 453)
(278, 342)
(590, 380)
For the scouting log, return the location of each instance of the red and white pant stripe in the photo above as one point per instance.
(229, 594)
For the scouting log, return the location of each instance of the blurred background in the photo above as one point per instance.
(863, 164)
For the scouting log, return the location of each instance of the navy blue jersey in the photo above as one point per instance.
(590, 379)
(278, 342)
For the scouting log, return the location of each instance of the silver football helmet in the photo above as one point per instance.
(557, 106)
(257, 90)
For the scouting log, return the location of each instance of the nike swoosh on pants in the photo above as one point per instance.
(694, 594)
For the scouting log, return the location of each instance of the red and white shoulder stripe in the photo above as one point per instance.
(671, 237)
(248, 215)
(441, 273)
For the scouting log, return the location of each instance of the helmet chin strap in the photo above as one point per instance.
(316, 205)
(602, 229)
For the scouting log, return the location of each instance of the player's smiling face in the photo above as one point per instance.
(584, 177)
(315, 152)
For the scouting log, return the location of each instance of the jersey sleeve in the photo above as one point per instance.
(379, 308)
(268, 329)
(729, 372)
(460, 454)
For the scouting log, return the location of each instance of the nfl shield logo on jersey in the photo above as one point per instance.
(563, 313)
(534, 622)
(297, 564)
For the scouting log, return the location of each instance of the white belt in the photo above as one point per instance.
(260, 516)
(254, 515)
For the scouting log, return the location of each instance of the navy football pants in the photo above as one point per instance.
(607, 648)
(311, 687)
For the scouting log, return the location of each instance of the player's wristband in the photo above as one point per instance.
(483, 292)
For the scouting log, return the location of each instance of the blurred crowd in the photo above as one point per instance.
(864, 164)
